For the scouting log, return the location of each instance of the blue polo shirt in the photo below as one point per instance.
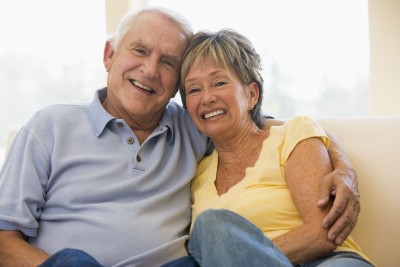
(77, 177)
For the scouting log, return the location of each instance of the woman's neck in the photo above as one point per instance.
(239, 148)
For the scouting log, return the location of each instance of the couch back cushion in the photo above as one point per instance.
(373, 146)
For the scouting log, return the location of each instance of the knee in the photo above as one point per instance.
(71, 252)
(211, 217)
(71, 258)
(207, 221)
(215, 221)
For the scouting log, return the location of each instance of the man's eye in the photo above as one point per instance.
(140, 51)
(171, 64)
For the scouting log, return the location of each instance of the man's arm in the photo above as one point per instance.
(15, 251)
(342, 185)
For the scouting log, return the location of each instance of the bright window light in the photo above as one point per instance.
(315, 53)
(51, 52)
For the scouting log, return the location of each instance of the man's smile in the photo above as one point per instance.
(142, 86)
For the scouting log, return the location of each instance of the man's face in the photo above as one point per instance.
(143, 69)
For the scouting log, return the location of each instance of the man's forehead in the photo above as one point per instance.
(171, 43)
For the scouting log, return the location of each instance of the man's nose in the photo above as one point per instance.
(150, 68)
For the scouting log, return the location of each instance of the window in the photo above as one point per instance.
(51, 52)
(315, 53)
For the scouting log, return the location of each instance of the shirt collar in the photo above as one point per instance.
(99, 117)
(167, 122)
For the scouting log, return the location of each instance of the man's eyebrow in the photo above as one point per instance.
(136, 43)
(140, 43)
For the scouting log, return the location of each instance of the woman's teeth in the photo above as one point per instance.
(214, 113)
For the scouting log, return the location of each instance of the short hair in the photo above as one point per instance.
(228, 49)
(125, 23)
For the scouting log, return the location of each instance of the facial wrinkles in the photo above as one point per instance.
(165, 44)
(164, 50)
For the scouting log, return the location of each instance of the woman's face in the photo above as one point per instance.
(217, 101)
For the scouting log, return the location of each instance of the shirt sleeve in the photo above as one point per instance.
(297, 130)
(23, 180)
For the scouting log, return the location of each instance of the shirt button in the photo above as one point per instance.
(131, 140)
(119, 124)
(138, 158)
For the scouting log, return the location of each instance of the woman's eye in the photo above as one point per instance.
(220, 83)
(192, 91)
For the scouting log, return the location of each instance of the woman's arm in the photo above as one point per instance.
(15, 251)
(339, 185)
(308, 162)
(342, 185)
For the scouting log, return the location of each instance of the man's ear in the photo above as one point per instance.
(108, 56)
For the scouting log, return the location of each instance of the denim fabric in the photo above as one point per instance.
(70, 258)
(338, 259)
(223, 238)
(187, 261)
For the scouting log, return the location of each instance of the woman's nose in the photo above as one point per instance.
(208, 97)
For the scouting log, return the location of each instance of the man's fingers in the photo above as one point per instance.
(336, 211)
(346, 218)
(342, 227)
(343, 214)
(325, 191)
(343, 235)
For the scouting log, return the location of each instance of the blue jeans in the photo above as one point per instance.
(223, 238)
(70, 258)
(338, 259)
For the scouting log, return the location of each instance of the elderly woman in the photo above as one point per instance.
(260, 170)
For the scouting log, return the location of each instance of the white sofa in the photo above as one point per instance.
(373, 146)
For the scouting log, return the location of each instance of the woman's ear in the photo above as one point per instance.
(108, 55)
(253, 94)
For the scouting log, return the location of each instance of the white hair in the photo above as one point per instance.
(125, 24)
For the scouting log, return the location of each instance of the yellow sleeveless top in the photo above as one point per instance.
(262, 197)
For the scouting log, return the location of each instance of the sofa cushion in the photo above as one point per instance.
(373, 146)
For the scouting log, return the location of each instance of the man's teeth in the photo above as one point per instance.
(144, 87)
(214, 113)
